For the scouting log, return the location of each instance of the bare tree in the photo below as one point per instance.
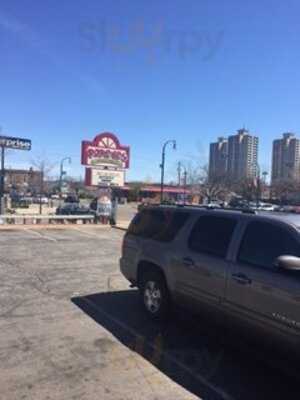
(213, 188)
(200, 184)
(247, 188)
(44, 166)
(284, 189)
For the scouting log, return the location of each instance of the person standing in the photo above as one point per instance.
(104, 209)
(114, 209)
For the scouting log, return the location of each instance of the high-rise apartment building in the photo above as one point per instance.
(286, 158)
(218, 156)
(242, 155)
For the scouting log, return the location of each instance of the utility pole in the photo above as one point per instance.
(162, 166)
(179, 173)
(184, 185)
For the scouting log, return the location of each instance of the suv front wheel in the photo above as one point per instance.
(154, 295)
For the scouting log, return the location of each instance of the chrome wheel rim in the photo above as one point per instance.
(152, 297)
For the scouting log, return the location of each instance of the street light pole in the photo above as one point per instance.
(62, 172)
(162, 166)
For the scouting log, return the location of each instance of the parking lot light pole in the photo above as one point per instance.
(162, 166)
(62, 172)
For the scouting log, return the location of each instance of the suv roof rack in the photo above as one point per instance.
(243, 210)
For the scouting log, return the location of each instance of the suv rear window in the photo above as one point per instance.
(161, 225)
(212, 235)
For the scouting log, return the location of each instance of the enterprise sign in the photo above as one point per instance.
(15, 143)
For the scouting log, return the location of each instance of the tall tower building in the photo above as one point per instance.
(218, 156)
(242, 155)
(286, 158)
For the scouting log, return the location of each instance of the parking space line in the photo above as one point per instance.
(133, 332)
(37, 233)
(86, 233)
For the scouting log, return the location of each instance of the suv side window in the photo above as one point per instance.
(173, 222)
(212, 235)
(161, 225)
(264, 242)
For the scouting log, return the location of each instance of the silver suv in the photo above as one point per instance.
(239, 266)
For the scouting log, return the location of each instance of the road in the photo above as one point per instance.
(70, 328)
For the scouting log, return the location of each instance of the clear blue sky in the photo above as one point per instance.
(148, 71)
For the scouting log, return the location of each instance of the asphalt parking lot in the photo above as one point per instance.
(71, 328)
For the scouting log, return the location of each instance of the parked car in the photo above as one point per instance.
(20, 202)
(266, 207)
(44, 200)
(71, 199)
(242, 267)
(73, 209)
(288, 208)
(213, 205)
(238, 203)
(40, 199)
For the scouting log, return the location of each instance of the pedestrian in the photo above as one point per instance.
(104, 209)
(114, 208)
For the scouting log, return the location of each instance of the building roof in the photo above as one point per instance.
(167, 189)
(21, 171)
(155, 188)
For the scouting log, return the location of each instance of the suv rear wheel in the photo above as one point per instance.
(155, 295)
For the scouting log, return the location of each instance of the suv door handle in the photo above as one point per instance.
(188, 262)
(242, 279)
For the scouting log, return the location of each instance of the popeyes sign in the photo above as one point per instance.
(105, 150)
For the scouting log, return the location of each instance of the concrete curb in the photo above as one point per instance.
(121, 228)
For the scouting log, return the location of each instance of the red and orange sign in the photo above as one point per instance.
(105, 151)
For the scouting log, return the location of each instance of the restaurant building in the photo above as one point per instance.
(22, 179)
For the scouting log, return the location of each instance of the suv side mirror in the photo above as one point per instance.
(289, 263)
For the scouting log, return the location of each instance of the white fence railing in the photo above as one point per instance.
(50, 219)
